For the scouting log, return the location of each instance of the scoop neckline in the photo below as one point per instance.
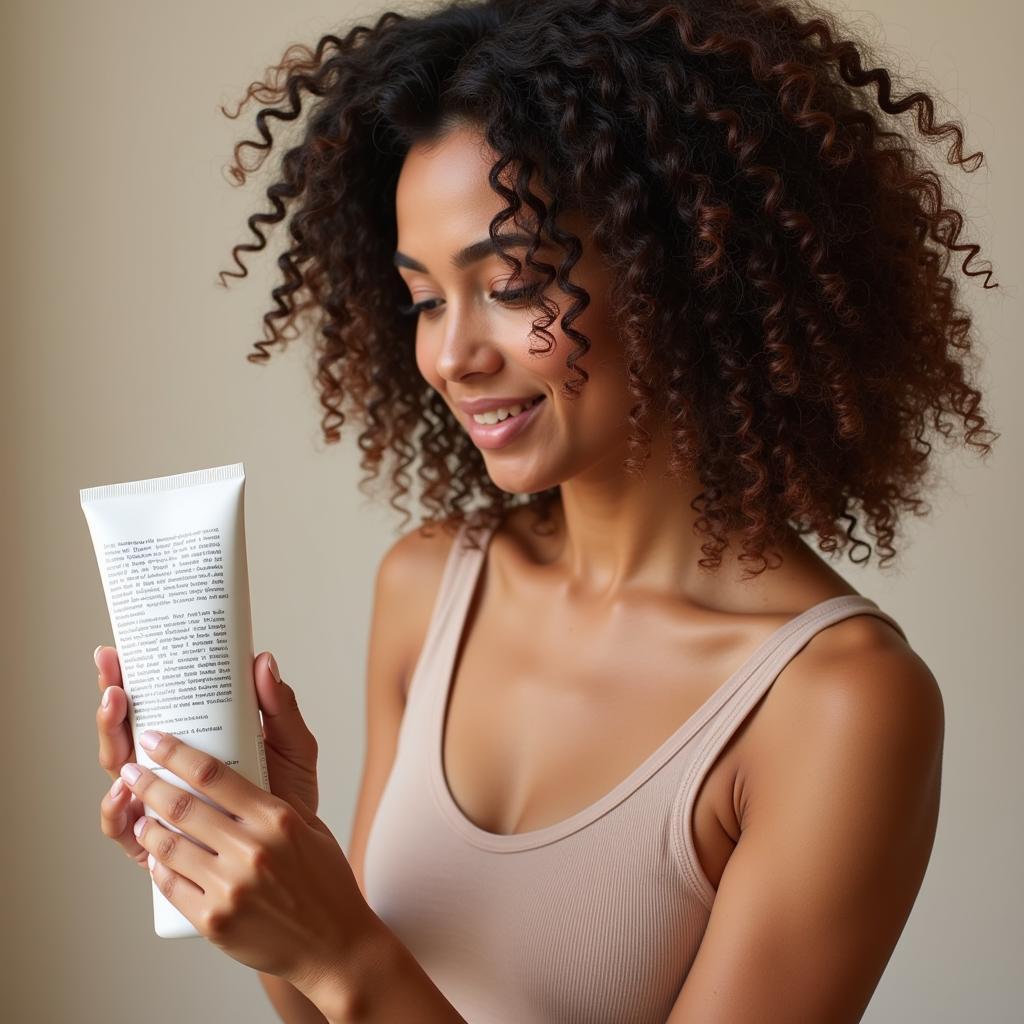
(515, 841)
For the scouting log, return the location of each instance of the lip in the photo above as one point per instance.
(479, 405)
(498, 435)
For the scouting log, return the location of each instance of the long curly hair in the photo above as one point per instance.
(779, 248)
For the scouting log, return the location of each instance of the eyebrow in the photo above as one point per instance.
(470, 254)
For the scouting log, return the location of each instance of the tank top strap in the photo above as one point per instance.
(782, 646)
(732, 706)
(767, 661)
(456, 590)
(451, 605)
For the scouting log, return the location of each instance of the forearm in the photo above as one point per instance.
(383, 983)
(291, 1005)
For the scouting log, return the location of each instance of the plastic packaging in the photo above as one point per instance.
(171, 555)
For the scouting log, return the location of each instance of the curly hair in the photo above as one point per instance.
(779, 247)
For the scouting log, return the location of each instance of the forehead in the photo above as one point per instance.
(444, 195)
(444, 200)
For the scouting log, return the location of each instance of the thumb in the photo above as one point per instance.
(308, 815)
(283, 724)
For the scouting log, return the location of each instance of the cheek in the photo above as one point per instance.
(607, 385)
(427, 365)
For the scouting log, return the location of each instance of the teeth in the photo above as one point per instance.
(497, 415)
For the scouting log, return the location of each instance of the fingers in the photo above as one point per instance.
(283, 724)
(118, 808)
(118, 813)
(108, 665)
(190, 810)
(275, 697)
(115, 741)
(176, 851)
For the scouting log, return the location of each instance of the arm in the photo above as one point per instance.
(384, 983)
(837, 831)
(291, 1005)
(388, 981)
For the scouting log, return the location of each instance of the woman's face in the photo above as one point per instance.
(470, 344)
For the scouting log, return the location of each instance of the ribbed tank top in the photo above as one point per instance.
(595, 919)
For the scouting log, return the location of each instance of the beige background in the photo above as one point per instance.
(122, 359)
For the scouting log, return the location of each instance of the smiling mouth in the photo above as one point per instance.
(494, 422)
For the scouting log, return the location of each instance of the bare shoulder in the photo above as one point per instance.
(857, 683)
(408, 579)
(861, 674)
(417, 552)
(838, 819)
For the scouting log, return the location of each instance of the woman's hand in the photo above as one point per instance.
(119, 810)
(290, 747)
(273, 890)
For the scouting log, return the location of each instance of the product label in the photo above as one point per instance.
(177, 660)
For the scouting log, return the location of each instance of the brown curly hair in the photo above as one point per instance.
(780, 248)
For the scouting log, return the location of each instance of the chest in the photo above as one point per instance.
(535, 732)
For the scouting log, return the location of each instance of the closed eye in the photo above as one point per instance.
(510, 296)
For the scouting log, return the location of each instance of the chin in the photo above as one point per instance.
(521, 483)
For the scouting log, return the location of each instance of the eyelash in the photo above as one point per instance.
(508, 296)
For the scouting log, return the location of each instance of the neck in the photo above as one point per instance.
(618, 533)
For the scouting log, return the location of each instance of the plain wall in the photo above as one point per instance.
(123, 359)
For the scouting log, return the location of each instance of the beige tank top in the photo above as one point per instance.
(593, 920)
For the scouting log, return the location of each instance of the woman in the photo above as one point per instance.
(659, 761)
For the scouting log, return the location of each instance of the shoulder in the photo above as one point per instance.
(417, 557)
(838, 823)
(858, 696)
(408, 578)
(861, 675)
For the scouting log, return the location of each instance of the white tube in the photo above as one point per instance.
(171, 555)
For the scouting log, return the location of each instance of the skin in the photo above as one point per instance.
(628, 637)
(621, 564)
(618, 535)
(273, 888)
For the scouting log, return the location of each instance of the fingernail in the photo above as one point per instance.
(115, 789)
(151, 860)
(140, 824)
(106, 696)
(149, 739)
(96, 654)
(272, 665)
(130, 773)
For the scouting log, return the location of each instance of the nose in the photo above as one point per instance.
(465, 345)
